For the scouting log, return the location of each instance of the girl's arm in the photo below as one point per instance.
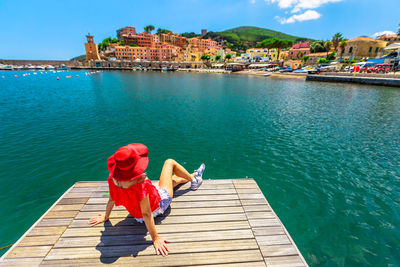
(158, 242)
(103, 217)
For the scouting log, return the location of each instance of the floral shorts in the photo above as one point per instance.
(166, 200)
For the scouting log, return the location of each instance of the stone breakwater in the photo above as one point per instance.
(394, 82)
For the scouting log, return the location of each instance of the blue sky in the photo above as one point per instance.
(57, 29)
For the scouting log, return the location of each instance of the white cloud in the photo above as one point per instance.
(308, 15)
(377, 34)
(298, 5)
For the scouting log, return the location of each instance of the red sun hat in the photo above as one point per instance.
(128, 162)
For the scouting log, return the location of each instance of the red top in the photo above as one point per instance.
(131, 197)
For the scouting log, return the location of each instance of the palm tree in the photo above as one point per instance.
(149, 28)
(336, 40)
(328, 45)
(342, 46)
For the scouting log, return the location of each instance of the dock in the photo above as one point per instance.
(225, 222)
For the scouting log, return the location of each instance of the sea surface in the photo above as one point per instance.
(326, 156)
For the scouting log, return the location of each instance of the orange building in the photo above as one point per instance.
(143, 53)
(202, 44)
(173, 38)
(125, 31)
(143, 39)
(92, 51)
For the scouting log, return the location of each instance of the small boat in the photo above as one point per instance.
(267, 74)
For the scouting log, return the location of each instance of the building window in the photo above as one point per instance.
(376, 50)
(351, 49)
(370, 49)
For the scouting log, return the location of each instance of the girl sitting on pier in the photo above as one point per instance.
(130, 187)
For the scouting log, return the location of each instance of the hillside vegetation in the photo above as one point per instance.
(242, 38)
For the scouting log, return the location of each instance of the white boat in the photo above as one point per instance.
(50, 67)
(6, 67)
(267, 74)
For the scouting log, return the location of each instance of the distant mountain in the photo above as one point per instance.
(242, 38)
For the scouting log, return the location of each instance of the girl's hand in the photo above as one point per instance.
(100, 218)
(160, 246)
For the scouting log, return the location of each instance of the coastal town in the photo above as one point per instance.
(379, 55)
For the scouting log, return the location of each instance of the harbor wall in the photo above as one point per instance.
(360, 80)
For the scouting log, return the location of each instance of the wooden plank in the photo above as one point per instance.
(284, 261)
(46, 240)
(173, 219)
(85, 189)
(268, 240)
(161, 229)
(278, 250)
(54, 222)
(203, 187)
(260, 214)
(244, 181)
(174, 212)
(264, 222)
(67, 207)
(184, 198)
(79, 195)
(68, 201)
(61, 214)
(29, 252)
(271, 230)
(242, 264)
(136, 239)
(90, 184)
(251, 196)
(201, 258)
(257, 208)
(248, 190)
(252, 202)
(50, 230)
(21, 262)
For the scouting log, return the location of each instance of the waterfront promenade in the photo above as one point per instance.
(224, 222)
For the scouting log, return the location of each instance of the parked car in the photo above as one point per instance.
(382, 68)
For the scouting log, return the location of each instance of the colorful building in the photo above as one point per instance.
(299, 50)
(92, 52)
(390, 38)
(364, 47)
(173, 38)
(202, 44)
(143, 53)
(143, 39)
(125, 31)
(257, 53)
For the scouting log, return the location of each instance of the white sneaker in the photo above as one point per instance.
(198, 177)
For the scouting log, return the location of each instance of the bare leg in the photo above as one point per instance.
(166, 178)
(179, 180)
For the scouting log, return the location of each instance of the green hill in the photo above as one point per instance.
(244, 37)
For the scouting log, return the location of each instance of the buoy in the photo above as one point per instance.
(58, 78)
(15, 75)
(77, 75)
(68, 77)
(2, 77)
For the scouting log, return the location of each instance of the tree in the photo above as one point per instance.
(133, 44)
(159, 30)
(342, 46)
(398, 31)
(305, 59)
(322, 60)
(300, 55)
(228, 57)
(149, 28)
(336, 40)
(190, 34)
(317, 47)
(277, 43)
(327, 45)
(217, 57)
(331, 56)
(205, 57)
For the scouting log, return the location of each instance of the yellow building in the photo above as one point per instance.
(364, 47)
(273, 54)
(92, 52)
(257, 52)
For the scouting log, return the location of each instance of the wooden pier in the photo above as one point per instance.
(224, 222)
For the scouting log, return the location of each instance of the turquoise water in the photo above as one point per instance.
(325, 155)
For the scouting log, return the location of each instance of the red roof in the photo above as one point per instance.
(301, 45)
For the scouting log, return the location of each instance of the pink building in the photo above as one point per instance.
(299, 49)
